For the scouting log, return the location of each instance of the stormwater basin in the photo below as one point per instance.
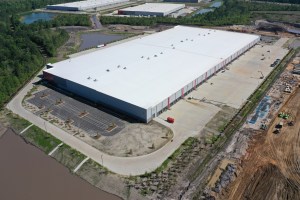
(29, 174)
(90, 40)
(36, 16)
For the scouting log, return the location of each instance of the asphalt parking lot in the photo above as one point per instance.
(91, 120)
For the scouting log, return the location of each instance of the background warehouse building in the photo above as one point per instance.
(145, 76)
(151, 9)
(84, 5)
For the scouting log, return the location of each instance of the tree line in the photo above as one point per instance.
(16, 6)
(231, 12)
(282, 1)
(22, 47)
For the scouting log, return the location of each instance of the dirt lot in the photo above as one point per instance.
(270, 169)
(134, 140)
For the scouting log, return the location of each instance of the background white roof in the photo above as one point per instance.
(155, 7)
(82, 5)
(154, 70)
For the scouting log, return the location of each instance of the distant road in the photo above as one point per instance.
(96, 22)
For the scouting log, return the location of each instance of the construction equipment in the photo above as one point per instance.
(286, 116)
(277, 131)
(291, 123)
(263, 126)
(279, 125)
(283, 115)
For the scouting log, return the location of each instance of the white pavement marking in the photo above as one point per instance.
(26, 128)
(55, 149)
(80, 164)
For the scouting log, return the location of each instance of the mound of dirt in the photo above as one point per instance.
(269, 183)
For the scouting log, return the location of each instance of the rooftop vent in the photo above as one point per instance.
(181, 41)
(119, 66)
(148, 58)
(107, 70)
(89, 77)
(173, 47)
(142, 57)
(95, 80)
(186, 39)
(155, 55)
(161, 53)
(172, 44)
(124, 68)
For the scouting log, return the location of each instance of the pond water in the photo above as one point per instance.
(28, 174)
(203, 11)
(89, 40)
(210, 9)
(36, 16)
(216, 4)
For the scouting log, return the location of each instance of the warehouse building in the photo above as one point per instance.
(151, 9)
(84, 5)
(143, 77)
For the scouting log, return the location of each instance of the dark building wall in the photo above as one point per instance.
(62, 8)
(137, 13)
(99, 98)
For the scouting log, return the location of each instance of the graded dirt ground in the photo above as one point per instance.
(270, 169)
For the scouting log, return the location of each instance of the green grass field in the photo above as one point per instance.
(41, 139)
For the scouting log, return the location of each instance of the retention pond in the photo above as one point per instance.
(28, 174)
(36, 16)
(90, 40)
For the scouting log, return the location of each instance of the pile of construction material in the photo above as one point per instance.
(288, 88)
(296, 69)
(226, 177)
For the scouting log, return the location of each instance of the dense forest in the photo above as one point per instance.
(231, 12)
(269, 7)
(22, 46)
(283, 1)
(8, 7)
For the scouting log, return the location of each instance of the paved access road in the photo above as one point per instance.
(96, 21)
(120, 165)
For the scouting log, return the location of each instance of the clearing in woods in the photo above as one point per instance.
(271, 169)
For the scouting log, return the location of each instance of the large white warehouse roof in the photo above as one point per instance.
(84, 5)
(145, 71)
(156, 8)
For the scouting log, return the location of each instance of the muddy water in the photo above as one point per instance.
(27, 173)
